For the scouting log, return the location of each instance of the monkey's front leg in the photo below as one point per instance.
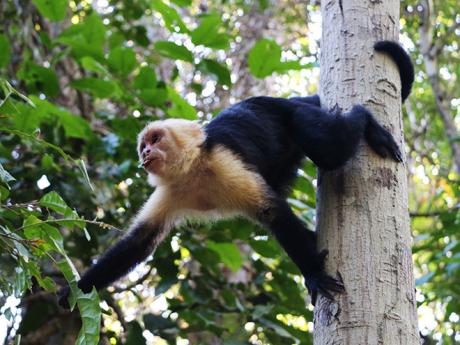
(300, 244)
(144, 236)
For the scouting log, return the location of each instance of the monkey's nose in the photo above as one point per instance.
(146, 152)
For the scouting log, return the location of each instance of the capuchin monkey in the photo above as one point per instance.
(242, 164)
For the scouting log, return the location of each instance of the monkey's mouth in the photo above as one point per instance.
(148, 161)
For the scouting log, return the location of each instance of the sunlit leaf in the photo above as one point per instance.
(174, 51)
(54, 10)
(228, 253)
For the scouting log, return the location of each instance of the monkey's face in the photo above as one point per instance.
(169, 148)
(155, 150)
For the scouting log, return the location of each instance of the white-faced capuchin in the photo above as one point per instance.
(242, 164)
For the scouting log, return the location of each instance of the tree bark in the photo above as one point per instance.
(363, 214)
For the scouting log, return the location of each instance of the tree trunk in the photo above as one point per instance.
(363, 208)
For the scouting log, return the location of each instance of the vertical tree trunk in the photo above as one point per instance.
(362, 208)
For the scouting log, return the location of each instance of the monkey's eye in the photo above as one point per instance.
(142, 147)
(156, 138)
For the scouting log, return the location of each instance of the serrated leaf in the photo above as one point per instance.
(174, 51)
(54, 10)
(88, 305)
(54, 201)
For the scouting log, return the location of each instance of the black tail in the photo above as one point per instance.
(402, 60)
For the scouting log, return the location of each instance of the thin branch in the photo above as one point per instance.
(62, 220)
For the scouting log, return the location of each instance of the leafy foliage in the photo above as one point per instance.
(77, 83)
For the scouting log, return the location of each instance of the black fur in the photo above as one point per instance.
(403, 61)
(272, 136)
(135, 247)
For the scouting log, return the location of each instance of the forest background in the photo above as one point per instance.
(79, 79)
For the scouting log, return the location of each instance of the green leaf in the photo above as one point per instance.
(156, 322)
(219, 70)
(5, 176)
(207, 33)
(55, 10)
(134, 336)
(146, 79)
(229, 254)
(74, 126)
(98, 87)
(88, 305)
(40, 79)
(264, 58)
(266, 248)
(86, 38)
(82, 166)
(122, 60)
(182, 3)
(170, 16)
(5, 51)
(54, 201)
(174, 51)
(153, 97)
(93, 65)
(179, 106)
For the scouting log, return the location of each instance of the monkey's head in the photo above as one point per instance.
(168, 148)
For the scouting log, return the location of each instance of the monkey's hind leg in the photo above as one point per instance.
(300, 244)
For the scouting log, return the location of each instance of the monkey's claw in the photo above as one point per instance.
(382, 142)
(325, 285)
(321, 282)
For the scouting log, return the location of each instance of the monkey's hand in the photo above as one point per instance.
(381, 141)
(63, 295)
(321, 282)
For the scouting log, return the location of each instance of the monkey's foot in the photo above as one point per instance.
(381, 141)
(321, 282)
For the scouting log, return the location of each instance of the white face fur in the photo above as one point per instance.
(167, 149)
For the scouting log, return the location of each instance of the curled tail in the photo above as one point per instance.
(402, 60)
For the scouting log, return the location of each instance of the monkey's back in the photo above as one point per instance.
(257, 131)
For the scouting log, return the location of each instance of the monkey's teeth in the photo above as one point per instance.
(147, 162)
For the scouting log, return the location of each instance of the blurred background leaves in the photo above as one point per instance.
(79, 79)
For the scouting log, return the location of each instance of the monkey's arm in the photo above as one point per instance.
(144, 236)
(135, 247)
(300, 244)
